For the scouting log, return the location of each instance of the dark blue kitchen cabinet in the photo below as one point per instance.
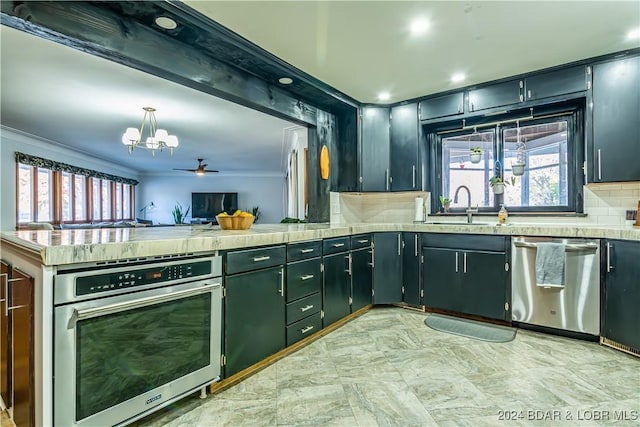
(554, 83)
(361, 278)
(622, 293)
(466, 274)
(387, 268)
(404, 163)
(441, 106)
(616, 134)
(336, 287)
(374, 149)
(495, 95)
(411, 285)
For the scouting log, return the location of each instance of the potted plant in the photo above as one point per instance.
(497, 183)
(476, 154)
(445, 201)
(517, 169)
(179, 214)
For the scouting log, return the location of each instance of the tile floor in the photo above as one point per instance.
(386, 368)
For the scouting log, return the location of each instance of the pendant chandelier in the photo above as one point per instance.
(158, 139)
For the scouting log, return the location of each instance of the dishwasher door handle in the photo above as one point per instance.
(568, 247)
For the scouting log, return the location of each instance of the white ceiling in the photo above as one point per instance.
(86, 103)
(358, 47)
(364, 47)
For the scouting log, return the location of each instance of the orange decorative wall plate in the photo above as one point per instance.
(324, 162)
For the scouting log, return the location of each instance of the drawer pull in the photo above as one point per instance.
(307, 329)
(338, 245)
(303, 309)
(306, 251)
(363, 241)
(307, 277)
(261, 258)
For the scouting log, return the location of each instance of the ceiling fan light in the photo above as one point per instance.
(171, 141)
(199, 172)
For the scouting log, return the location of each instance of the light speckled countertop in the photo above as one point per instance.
(60, 247)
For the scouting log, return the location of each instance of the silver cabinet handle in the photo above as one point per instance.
(529, 94)
(349, 264)
(308, 307)
(609, 266)
(307, 277)
(306, 251)
(363, 241)
(416, 241)
(373, 258)
(599, 164)
(398, 244)
(307, 329)
(281, 290)
(471, 105)
(464, 263)
(456, 262)
(414, 176)
(261, 258)
(338, 245)
(386, 178)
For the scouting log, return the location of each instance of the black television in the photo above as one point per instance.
(207, 205)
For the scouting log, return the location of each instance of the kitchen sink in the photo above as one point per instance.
(455, 223)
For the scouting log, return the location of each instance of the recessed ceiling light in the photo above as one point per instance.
(166, 23)
(384, 96)
(419, 26)
(458, 77)
(634, 34)
(285, 80)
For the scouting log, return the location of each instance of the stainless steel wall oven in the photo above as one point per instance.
(132, 338)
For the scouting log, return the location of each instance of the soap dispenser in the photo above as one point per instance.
(502, 215)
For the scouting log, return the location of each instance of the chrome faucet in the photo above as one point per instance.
(470, 211)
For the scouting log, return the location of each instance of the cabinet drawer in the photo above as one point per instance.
(253, 259)
(361, 241)
(303, 328)
(303, 278)
(333, 246)
(304, 250)
(303, 307)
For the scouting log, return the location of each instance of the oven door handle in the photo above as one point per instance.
(138, 303)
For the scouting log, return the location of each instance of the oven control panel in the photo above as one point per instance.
(138, 276)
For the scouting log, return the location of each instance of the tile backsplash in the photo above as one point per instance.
(604, 204)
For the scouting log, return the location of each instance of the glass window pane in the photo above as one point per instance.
(126, 201)
(97, 206)
(45, 193)
(25, 199)
(105, 195)
(459, 169)
(80, 197)
(66, 196)
(118, 201)
(545, 181)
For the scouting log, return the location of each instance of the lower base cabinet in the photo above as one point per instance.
(337, 287)
(361, 278)
(254, 317)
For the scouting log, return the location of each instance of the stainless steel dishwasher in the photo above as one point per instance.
(572, 306)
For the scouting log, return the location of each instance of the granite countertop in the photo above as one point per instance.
(60, 247)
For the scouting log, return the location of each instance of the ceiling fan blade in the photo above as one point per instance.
(187, 170)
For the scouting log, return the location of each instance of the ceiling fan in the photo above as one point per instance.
(200, 170)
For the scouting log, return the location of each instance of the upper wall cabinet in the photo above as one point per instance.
(616, 133)
(374, 149)
(565, 81)
(404, 154)
(442, 106)
(495, 95)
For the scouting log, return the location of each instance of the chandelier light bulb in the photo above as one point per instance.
(161, 135)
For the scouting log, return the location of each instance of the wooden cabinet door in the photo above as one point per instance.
(387, 268)
(622, 292)
(411, 268)
(495, 95)
(20, 301)
(337, 287)
(441, 278)
(616, 108)
(375, 149)
(254, 317)
(568, 80)
(5, 341)
(403, 155)
(361, 278)
(442, 106)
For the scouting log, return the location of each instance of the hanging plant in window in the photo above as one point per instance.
(518, 166)
(476, 154)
